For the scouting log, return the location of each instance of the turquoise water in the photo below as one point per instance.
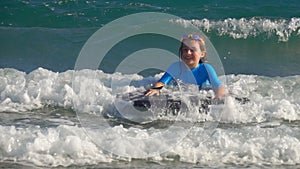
(258, 44)
(259, 37)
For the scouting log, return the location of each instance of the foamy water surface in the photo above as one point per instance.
(39, 125)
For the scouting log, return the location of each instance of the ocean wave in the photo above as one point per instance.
(69, 146)
(92, 91)
(259, 132)
(244, 28)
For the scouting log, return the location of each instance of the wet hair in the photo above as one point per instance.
(201, 45)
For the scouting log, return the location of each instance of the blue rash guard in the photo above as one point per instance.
(202, 75)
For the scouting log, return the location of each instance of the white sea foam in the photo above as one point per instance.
(270, 98)
(252, 27)
(68, 145)
(250, 133)
(61, 146)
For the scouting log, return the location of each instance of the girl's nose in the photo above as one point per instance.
(189, 52)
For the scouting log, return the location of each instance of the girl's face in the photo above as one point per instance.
(191, 53)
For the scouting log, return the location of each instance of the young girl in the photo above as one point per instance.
(193, 68)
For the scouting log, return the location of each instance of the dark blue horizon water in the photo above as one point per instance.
(51, 34)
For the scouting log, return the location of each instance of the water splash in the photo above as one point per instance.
(244, 28)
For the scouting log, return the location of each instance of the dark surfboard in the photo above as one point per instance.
(172, 104)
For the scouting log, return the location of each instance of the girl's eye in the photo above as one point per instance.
(186, 50)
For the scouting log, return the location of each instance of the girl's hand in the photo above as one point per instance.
(152, 92)
(220, 93)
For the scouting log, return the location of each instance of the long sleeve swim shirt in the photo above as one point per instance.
(202, 75)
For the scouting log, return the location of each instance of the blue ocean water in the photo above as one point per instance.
(251, 37)
(258, 44)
